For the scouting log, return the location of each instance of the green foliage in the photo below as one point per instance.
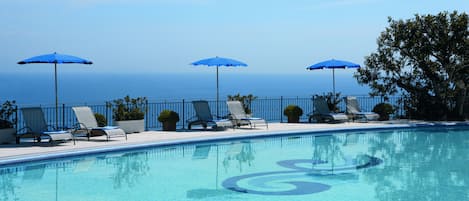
(128, 170)
(245, 100)
(293, 110)
(332, 100)
(128, 108)
(168, 116)
(384, 110)
(7, 111)
(426, 59)
(101, 119)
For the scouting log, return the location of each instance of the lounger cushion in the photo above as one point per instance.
(107, 127)
(223, 123)
(59, 135)
(55, 132)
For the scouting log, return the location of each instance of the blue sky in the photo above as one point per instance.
(146, 36)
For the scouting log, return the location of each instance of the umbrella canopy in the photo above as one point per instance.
(333, 64)
(55, 59)
(219, 61)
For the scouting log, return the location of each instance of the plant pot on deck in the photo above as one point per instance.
(7, 135)
(169, 119)
(293, 112)
(293, 119)
(169, 126)
(131, 126)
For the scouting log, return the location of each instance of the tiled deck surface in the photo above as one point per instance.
(27, 149)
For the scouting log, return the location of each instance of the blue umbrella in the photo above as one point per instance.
(333, 64)
(219, 61)
(55, 59)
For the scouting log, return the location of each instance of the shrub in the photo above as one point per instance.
(384, 110)
(168, 116)
(101, 119)
(293, 110)
(7, 111)
(128, 108)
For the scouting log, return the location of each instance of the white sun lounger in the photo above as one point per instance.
(239, 116)
(323, 114)
(36, 127)
(87, 123)
(353, 108)
(205, 118)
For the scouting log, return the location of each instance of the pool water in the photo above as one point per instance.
(402, 164)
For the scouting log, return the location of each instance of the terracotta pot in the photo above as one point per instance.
(169, 126)
(293, 119)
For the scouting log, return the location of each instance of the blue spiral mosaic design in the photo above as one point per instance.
(299, 187)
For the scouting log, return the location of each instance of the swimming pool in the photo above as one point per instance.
(396, 164)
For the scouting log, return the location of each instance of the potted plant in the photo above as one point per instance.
(129, 113)
(169, 119)
(7, 122)
(101, 119)
(293, 112)
(384, 110)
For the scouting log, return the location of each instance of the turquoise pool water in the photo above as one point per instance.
(402, 164)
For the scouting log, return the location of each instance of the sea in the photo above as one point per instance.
(32, 89)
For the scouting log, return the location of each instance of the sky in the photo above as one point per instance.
(165, 36)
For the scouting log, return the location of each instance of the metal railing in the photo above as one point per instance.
(270, 109)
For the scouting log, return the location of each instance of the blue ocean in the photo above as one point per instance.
(30, 89)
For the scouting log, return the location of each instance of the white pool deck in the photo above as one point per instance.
(25, 150)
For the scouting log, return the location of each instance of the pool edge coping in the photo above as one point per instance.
(7, 161)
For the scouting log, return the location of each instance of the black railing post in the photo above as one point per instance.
(106, 112)
(146, 115)
(183, 113)
(281, 106)
(16, 118)
(312, 106)
(63, 115)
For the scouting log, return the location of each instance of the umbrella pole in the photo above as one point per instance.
(56, 98)
(217, 93)
(333, 83)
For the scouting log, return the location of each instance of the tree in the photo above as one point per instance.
(425, 58)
